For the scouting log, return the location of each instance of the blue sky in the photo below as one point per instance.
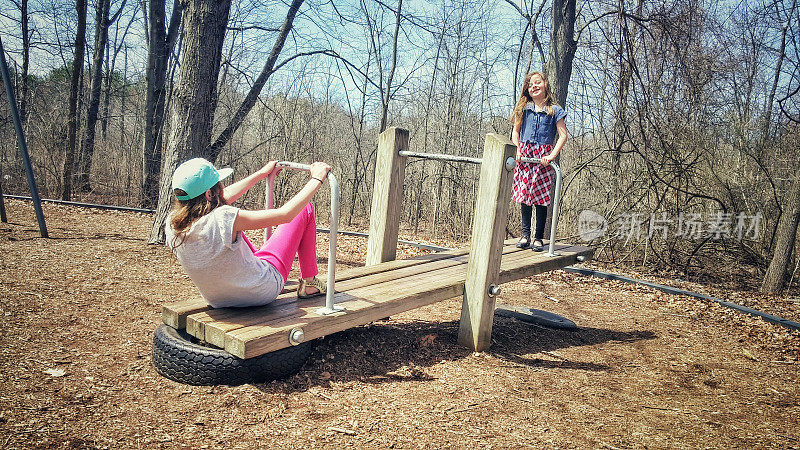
(487, 45)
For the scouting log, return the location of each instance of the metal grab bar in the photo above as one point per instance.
(556, 200)
(329, 307)
(510, 166)
(441, 157)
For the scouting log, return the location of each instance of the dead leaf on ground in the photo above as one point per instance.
(749, 355)
(427, 340)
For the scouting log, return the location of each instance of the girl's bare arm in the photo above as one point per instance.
(232, 193)
(252, 220)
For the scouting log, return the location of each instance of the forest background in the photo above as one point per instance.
(683, 114)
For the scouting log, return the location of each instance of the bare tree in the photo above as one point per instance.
(531, 21)
(250, 99)
(161, 41)
(375, 48)
(387, 88)
(113, 49)
(778, 66)
(562, 49)
(102, 23)
(192, 108)
(787, 225)
(72, 113)
(26, 49)
(357, 126)
(775, 278)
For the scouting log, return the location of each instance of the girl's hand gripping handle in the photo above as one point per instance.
(319, 170)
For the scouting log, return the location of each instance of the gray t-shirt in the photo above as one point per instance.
(226, 271)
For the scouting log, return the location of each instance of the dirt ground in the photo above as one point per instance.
(645, 370)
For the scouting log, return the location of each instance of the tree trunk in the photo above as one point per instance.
(87, 147)
(192, 108)
(107, 91)
(776, 79)
(559, 62)
(775, 278)
(113, 50)
(72, 114)
(562, 49)
(162, 43)
(26, 46)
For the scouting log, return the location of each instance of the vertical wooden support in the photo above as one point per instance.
(387, 196)
(488, 234)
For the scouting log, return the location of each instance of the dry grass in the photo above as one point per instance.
(645, 369)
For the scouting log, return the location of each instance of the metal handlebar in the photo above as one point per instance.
(556, 200)
(441, 157)
(329, 307)
(510, 166)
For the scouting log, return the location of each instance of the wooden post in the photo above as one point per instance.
(387, 196)
(488, 233)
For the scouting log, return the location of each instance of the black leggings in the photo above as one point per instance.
(541, 217)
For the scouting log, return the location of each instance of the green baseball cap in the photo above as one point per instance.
(196, 176)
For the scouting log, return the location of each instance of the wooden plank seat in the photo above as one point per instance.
(368, 293)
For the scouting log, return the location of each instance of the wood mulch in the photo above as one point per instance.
(645, 369)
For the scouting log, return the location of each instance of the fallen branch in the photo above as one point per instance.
(661, 409)
(471, 406)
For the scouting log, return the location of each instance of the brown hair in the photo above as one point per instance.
(525, 97)
(186, 212)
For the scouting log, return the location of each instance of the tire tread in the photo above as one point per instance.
(177, 358)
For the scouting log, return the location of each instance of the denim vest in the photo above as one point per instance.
(538, 127)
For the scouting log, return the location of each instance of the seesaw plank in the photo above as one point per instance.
(174, 314)
(369, 293)
(364, 305)
(212, 325)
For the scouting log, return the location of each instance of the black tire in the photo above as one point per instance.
(177, 357)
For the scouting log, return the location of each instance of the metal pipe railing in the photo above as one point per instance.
(441, 157)
(556, 200)
(329, 307)
(466, 159)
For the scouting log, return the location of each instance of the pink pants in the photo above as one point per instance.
(298, 237)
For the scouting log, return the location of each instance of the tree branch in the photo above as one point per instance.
(253, 27)
(580, 30)
(250, 100)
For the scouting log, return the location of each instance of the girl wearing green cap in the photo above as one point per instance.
(207, 236)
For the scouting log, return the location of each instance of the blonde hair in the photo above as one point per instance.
(525, 97)
(186, 212)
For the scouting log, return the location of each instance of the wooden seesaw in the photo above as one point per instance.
(386, 286)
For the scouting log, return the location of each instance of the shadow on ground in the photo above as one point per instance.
(384, 351)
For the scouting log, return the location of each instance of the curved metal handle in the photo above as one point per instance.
(556, 201)
(334, 227)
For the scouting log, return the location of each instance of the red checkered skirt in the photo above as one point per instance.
(533, 181)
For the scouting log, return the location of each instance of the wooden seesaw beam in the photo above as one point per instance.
(387, 287)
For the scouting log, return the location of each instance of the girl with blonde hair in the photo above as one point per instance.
(537, 121)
